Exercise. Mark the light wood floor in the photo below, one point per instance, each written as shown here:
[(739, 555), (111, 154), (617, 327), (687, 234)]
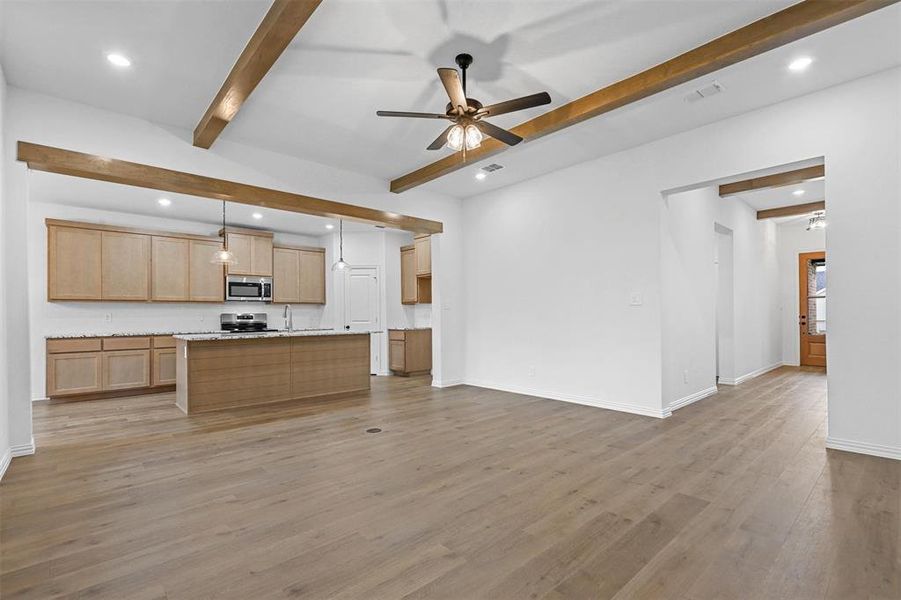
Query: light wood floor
[(466, 493)]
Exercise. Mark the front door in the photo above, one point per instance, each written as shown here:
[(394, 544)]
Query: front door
[(361, 308), (812, 304)]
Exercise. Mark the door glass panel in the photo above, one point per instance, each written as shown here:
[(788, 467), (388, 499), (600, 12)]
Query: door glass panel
[(816, 297)]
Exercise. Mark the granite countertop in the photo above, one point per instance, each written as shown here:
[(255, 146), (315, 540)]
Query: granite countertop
[(95, 334), (409, 329), (216, 336)]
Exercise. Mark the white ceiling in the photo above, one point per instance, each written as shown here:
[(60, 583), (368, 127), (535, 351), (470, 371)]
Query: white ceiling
[(101, 195), (356, 56), (814, 191)]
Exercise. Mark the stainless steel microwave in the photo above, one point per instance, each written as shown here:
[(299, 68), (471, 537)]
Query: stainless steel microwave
[(244, 288)]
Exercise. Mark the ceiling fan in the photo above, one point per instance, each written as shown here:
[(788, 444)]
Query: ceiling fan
[(467, 113)]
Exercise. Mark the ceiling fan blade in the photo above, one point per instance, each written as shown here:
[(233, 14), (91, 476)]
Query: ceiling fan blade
[(451, 80), (502, 108), (415, 115), (508, 137), (440, 141)]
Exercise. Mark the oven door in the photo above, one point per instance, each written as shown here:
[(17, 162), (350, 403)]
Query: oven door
[(244, 291)]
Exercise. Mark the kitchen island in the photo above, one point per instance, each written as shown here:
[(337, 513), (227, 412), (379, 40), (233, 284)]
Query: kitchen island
[(216, 371)]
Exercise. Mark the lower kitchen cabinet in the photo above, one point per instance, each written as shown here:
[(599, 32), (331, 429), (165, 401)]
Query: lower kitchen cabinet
[(97, 366), (409, 351), (74, 373), (126, 369), (163, 366)]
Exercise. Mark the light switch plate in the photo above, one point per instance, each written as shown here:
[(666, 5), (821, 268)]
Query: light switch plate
[(635, 299)]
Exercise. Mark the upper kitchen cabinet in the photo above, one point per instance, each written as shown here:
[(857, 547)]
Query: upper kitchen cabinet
[(125, 266), (171, 269), (252, 250), (298, 275), (73, 263), (408, 275), (207, 279), (423, 245)]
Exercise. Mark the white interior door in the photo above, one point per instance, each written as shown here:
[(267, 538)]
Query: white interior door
[(361, 308)]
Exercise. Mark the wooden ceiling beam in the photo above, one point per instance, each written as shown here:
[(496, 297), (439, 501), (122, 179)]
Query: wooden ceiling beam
[(791, 24), (772, 181), (280, 25), (790, 211), (90, 166)]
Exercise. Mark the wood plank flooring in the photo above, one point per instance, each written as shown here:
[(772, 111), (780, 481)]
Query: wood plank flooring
[(466, 493)]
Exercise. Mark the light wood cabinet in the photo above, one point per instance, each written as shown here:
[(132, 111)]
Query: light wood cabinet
[(298, 275), (125, 266), (74, 373), (73, 263), (126, 369), (163, 367), (285, 275), (408, 275), (170, 260), (423, 245), (409, 351), (252, 252), (312, 276), (207, 280)]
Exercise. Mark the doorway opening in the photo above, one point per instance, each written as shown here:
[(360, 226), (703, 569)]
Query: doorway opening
[(812, 308)]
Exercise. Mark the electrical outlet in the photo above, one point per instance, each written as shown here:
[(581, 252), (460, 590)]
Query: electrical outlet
[(108, 317), (685, 376), (201, 318), (635, 299), (532, 371)]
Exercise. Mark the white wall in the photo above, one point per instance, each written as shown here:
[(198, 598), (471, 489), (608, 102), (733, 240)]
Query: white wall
[(52, 121), (551, 262), (793, 239), (752, 337), (5, 453)]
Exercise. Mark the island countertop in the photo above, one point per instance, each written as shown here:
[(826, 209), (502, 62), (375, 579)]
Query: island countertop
[(253, 335), (223, 371)]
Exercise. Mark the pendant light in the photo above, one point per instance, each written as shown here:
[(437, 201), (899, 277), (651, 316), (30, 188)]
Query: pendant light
[(817, 221), (224, 256), (341, 265)]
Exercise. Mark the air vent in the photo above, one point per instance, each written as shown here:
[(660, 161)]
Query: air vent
[(492, 167), (705, 92)]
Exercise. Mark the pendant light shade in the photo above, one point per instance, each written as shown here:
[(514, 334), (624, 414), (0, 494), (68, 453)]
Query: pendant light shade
[(224, 256), (340, 264)]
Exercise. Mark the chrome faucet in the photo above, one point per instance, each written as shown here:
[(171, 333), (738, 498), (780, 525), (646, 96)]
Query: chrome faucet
[(289, 318)]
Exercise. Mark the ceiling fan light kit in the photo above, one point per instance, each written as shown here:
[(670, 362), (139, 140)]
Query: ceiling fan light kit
[(469, 128)]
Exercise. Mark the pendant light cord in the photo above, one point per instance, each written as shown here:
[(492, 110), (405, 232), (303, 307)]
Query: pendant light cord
[(224, 233), (341, 240)]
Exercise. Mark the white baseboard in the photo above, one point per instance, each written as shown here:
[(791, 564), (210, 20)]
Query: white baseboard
[(39, 399), (692, 398), (747, 376), (12, 452), (575, 399), (4, 462), (447, 384), (864, 448), (23, 449)]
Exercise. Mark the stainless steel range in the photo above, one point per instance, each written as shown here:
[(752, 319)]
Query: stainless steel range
[(244, 322)]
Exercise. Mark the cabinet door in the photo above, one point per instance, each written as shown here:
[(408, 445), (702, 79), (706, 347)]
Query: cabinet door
[(126, 369), (163, 367), (423, 255), (75, 373), (396, 356), (312, 277), (241, 246), (125, 266), (407, 275), (207, 280), (261, 255), (285, 275), (170, 271), (73, 263)]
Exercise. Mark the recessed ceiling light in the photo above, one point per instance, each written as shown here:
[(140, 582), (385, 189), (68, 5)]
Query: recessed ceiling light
[(118, 60), (329, 226), (800, 64), (164, 202), (481, 175), (798, 192), (257, 216)]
